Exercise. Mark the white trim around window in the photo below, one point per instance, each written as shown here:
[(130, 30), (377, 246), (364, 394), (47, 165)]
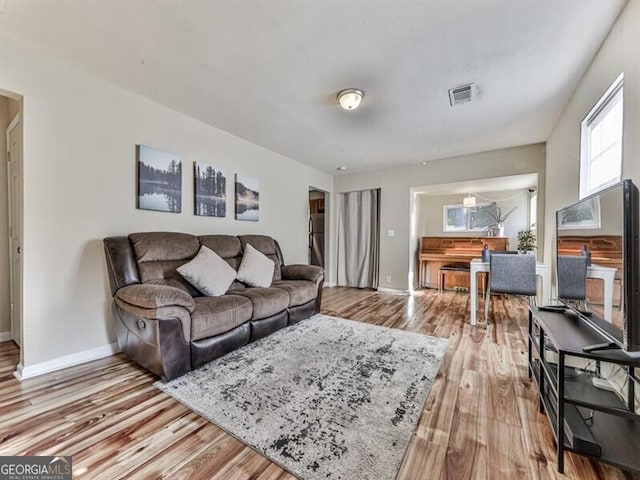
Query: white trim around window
[(601, 141)]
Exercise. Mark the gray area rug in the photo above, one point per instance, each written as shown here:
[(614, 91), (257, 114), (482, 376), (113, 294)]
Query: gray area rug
[(326, 398)]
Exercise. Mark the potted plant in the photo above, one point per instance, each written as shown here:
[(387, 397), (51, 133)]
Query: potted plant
[(497, 219), (526, 241)]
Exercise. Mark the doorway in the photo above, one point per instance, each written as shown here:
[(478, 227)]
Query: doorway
[(358, 249), (11, 214), (431, 219), (317, 233)]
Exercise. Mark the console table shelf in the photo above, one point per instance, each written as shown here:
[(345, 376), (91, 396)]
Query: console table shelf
[(589, 420)]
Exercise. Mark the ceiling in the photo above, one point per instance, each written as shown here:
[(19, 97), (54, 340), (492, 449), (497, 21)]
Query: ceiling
[(268, 71)]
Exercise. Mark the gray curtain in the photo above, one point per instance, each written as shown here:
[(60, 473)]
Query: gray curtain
[(359, 238)]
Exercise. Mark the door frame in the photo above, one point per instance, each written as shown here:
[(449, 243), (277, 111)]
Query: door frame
[(16, 336)]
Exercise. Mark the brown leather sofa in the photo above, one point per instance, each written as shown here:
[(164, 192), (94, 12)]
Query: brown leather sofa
[(164, 324)]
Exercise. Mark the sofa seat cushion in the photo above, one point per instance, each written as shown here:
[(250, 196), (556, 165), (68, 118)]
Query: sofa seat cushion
[(266, 301), (216, 315), (300, 291)]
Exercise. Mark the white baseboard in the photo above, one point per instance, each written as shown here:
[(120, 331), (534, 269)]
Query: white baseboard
[(396, 291), (66, 361), (5, 336)]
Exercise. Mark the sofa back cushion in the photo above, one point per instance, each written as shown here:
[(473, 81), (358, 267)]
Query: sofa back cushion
[(231, 248), (226, 246), (159, 254)]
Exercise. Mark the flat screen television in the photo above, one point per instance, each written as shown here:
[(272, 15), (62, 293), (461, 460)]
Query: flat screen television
[(603, 228)]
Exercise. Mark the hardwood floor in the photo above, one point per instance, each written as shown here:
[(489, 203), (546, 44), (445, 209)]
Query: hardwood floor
[(480, 421)]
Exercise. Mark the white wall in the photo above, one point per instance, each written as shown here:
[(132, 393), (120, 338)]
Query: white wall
[(397, 205), (80, 182), (620, 52), (429, 221)]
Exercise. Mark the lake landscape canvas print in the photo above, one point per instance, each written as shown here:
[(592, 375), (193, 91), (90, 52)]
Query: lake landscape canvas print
[(247, 198), (159, 180), (210, 187)]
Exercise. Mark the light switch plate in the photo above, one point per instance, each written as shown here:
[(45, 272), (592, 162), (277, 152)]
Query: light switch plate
[(391, 233)]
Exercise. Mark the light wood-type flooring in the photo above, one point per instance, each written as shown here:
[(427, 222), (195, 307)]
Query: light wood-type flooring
[(480, 421)]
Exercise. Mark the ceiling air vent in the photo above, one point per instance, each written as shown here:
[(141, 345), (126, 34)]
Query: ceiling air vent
[(461, 94)]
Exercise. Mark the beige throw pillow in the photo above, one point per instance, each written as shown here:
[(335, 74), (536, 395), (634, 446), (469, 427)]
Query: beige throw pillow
[(208, 272), (256, 270)]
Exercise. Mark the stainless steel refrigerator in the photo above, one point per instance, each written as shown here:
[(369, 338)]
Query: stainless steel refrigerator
[(316, 239)]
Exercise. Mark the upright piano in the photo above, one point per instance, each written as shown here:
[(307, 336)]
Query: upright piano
[(436, 252)]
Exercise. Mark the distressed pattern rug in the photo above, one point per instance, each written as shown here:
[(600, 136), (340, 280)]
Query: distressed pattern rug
[(326, 398)]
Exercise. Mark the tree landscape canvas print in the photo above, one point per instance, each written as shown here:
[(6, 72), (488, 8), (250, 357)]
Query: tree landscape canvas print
[(159, 180), (210, 186), (247, 198)]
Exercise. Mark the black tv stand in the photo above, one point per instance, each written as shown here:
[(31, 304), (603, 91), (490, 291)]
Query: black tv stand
[(599, 347), (565, 356)]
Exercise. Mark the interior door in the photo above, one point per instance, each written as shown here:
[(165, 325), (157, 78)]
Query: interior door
[(316, 227), (14, 148)]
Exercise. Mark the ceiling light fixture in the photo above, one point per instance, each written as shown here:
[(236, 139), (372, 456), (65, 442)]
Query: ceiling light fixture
[(341, 168), (350, 98), (469, 201)]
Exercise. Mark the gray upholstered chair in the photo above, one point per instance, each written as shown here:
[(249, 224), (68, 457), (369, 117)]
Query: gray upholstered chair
[(511, 274), (572, 279)]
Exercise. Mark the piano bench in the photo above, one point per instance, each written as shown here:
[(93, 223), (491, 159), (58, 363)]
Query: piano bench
[(452, 268), (460, 268)]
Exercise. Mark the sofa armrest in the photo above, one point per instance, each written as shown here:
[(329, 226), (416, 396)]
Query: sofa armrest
[(311, 273), (156, 338), (158, 314), (155, 296)]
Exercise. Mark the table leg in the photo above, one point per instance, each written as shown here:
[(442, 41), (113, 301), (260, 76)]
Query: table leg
[(541, 378), (529, 344), (546, 286), (608, 298), (473, 291)]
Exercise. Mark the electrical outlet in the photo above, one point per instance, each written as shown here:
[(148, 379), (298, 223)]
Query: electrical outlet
[(388, 278), (391, 233)]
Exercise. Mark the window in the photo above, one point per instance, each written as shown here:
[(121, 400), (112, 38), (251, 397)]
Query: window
[(458, 218), (533, 210), (601, 152)]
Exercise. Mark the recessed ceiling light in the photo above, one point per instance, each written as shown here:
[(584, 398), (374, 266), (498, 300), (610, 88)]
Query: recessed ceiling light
[(350, 98), (342, 168)]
